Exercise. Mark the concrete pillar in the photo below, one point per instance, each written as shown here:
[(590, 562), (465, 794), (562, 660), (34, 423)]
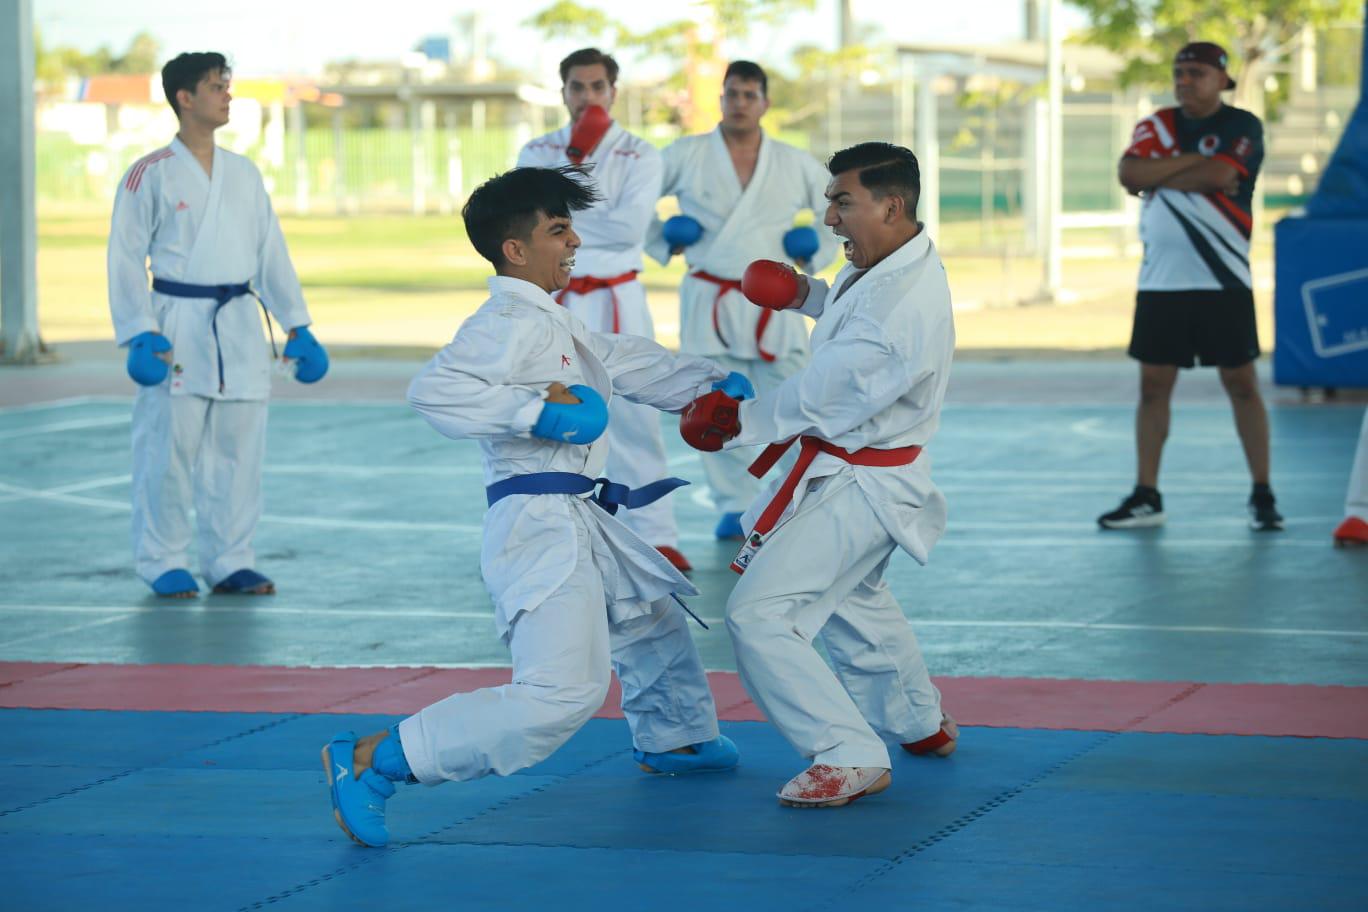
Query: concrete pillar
[(18, 220)]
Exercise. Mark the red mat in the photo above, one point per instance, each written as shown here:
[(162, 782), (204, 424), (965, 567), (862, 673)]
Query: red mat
[(1304, 710)]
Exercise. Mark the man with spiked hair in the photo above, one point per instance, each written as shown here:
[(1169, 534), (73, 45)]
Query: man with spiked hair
[(576, 593)]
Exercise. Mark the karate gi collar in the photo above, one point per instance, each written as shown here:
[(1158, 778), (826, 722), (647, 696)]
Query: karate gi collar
[(911, 251), (521, 288)]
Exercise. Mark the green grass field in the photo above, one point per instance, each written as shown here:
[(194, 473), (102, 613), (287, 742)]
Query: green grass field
[(396, 280)]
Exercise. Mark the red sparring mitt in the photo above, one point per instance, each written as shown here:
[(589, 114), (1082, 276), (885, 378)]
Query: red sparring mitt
[(770, 284), (585, 136), (710, 421)]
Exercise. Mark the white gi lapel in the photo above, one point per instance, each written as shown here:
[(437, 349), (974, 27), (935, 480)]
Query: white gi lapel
[(199, 264), (738, 218)]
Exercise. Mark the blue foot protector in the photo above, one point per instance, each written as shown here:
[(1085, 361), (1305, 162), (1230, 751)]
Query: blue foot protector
[(358, 804), (389, 760), (175, 582), (241, 581), (710, 756), (729, 526)]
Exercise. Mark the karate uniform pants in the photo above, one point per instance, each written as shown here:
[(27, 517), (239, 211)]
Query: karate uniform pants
[(1356, 500), (636, 452), (562, 653), (731, 487), (820, 574), (190, 449)]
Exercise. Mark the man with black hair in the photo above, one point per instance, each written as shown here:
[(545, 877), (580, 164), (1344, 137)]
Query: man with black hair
[(742, 189), (862, 411), (1195, 165), (195, 343), (604, 292), (575, 592)]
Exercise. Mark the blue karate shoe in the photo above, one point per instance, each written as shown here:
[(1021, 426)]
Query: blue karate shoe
[(709, 757), (358, 804), (729, 526), (175, 584)]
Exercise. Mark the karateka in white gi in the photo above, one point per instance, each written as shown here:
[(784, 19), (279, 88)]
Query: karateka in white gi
[(604, 292), (575, 591), (1353, 531), (196, 345), (820, 541), (743, 188)]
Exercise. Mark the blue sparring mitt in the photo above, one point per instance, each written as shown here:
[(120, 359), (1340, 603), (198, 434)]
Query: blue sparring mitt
[(311, 359), (801, 243), (144, 366), (735, 385), (681, 231), (582, 423)]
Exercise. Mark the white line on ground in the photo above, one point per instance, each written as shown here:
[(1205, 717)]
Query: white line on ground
[(44, 634), (184, 607), (52, 404), (74, 425)]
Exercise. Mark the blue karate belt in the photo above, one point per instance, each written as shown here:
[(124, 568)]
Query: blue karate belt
[(611, 496), (221, 295)]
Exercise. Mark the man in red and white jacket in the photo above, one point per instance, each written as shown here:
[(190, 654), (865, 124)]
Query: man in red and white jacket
[(604, 292)]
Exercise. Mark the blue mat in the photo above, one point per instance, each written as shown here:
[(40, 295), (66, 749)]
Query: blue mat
[(229, 811)]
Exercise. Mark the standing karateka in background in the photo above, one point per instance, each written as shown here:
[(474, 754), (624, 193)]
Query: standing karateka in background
[(862, 411), (575, 591), (196, 345), (604, 292), (743, 188)]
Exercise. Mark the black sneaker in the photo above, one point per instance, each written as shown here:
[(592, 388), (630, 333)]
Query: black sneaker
[(1263, 511), (1144, 508)]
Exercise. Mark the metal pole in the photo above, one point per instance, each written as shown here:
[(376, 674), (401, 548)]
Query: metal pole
[(19, 342), (1054, 202), (928, 154)]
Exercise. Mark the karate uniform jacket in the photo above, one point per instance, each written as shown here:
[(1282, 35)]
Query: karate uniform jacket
[(739, 226), (204, 230), (881, 357), (488, 385)]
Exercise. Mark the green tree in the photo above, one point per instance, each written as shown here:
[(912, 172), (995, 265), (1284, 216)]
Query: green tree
[(1257, 33)]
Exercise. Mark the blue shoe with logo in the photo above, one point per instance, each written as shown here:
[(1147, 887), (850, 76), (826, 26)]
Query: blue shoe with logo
[(358, 804), (709, 757), (729, 526)]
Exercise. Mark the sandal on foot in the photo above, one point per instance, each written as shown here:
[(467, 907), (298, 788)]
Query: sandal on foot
[(833, 786), (244, 582), (175, 584), (708, 757)]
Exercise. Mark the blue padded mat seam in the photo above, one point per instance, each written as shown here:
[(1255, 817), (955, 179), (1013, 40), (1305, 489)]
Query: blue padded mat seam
[(128, 772), (841, 899), (368, 856)]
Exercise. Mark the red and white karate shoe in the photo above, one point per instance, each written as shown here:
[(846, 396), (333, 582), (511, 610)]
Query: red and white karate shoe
[(941, 744), (1352, 533), (822, 786)]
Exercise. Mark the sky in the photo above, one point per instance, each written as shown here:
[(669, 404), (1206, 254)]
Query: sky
[(297, 37)]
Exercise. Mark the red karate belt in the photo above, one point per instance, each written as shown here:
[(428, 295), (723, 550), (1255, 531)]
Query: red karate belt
[(809, 447), (724, 286), (583, 285)]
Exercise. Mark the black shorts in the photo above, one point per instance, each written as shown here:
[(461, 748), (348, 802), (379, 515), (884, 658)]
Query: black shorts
[(1215, 328)]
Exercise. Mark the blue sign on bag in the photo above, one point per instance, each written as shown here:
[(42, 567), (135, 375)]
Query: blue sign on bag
[(1336, 313)]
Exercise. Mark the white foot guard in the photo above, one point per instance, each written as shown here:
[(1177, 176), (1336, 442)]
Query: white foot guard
[(833, 786)]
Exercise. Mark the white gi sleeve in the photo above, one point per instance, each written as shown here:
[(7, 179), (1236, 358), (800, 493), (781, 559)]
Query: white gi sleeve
[(645, 371), (525, 157), (815, 302), (276, 280), (671, 167), (817, 180), (465, 390), (621, 223), (135, 220), (853, 377)]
